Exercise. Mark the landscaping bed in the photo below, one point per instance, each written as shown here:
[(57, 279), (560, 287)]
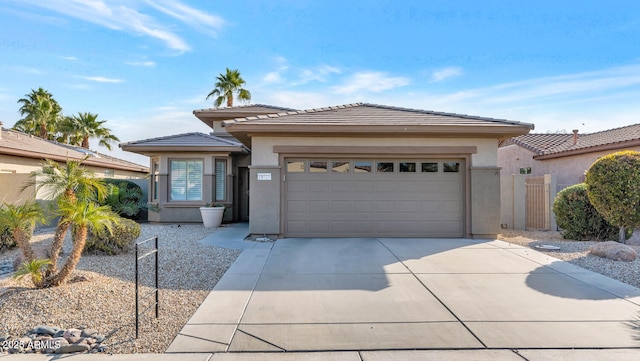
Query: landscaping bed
[(576, 252), (101, 294)]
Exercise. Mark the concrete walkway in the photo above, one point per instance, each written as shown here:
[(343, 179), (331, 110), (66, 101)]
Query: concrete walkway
[(380, 299)]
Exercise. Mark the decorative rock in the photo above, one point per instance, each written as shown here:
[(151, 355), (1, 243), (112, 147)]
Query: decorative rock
[(614, 251), (76, 347), (99, 338), (73, 339), (89, 332), (45, 330), (58, 334), (72, 332), (635, 238)]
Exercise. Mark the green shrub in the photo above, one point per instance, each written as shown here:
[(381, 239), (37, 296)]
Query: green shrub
[(125, 198), (6, 239), (120, 240), (578, 219)]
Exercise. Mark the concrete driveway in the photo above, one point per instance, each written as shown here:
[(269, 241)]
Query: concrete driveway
[(395, 294)]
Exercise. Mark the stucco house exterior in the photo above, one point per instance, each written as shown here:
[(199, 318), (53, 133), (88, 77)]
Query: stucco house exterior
[(21, 154), (567, 156), (350, 170)]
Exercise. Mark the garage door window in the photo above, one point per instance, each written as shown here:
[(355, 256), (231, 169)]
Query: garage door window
[(318, 167), (407, 167), (340, 167), (429, 167), (451, 167), (362, 167), (295, 166), (385, 167)]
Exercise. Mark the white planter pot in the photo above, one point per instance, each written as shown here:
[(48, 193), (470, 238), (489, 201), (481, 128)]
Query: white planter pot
[(212, 216)]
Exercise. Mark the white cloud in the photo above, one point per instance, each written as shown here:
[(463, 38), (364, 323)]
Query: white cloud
[(272, 77), (190, 16), (119, 15), (371, 81), (445, 73), (102, 79), (142, 63), (70, 58)]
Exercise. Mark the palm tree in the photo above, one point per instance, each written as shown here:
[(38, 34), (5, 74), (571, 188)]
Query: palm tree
[(227, 84), (21, 220), (80, 128), (65, 184), (84, 215), (40, 113)]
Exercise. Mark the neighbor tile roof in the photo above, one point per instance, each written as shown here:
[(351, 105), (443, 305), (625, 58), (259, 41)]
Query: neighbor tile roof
[(561, 144), (24, 145), (372, 114), (252, 108)]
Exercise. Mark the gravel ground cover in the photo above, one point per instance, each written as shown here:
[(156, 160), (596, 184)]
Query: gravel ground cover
[(102, 293), (576, 252)]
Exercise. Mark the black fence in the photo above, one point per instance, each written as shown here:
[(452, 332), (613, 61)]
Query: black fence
[(154, 252)]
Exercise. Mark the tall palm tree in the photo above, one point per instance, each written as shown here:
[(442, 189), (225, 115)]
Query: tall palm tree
[(84, 215), (40, 113), (85, 126), (21, 220), (69, 184), (227, 84)]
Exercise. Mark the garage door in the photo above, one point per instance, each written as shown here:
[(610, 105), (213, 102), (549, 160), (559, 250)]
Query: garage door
[(374, 198)]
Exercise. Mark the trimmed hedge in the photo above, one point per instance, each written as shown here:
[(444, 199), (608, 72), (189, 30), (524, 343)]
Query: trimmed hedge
[(577, 217), (120, 240), (6, 239)]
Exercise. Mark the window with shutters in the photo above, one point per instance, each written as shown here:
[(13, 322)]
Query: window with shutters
[(221, 179), (186, 180)]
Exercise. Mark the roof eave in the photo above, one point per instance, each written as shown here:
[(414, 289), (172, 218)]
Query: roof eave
[(88, 161), (142, 149)]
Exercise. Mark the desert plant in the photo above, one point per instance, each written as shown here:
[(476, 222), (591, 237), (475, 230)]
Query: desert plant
[(20, 220), (34, 268), (577, 217), (125, 198), (613, 186), (118, 241)]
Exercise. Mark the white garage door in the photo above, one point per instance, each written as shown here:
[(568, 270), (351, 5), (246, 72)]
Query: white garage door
[(374, 198)]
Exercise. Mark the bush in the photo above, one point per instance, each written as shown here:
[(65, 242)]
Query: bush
[(124, 232), (125, 198), (577, 217), (6, 239)]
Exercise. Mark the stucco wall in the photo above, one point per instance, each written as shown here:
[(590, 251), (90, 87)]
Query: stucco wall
[(13, 164), (262, 147), (568, 170)]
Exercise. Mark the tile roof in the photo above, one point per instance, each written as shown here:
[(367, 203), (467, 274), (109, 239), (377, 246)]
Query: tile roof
[(251, 108), (561, 144), (24, 145), (372, 114), (184, 141)]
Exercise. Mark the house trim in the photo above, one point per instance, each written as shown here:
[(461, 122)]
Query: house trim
[(598, 148), (382, 151)]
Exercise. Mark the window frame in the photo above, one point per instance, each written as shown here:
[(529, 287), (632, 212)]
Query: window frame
[(186, 188)]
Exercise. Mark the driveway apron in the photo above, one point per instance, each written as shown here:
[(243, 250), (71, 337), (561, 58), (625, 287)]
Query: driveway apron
[(393, 294)]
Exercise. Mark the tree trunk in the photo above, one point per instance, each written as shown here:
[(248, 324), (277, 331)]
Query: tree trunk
[(635, 237), (80, 239), (85, 142), (56, 247), (230, 101), (23, 243)]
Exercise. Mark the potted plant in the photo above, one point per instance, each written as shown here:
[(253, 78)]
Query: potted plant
[(212, 215)]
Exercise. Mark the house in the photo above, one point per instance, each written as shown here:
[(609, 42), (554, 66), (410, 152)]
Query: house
[(567, 156), (350, 170), (21, 154)]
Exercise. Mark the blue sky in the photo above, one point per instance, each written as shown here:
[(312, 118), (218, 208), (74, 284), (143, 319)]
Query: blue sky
[(145, 65)]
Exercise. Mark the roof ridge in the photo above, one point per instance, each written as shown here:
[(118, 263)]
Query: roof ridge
[(611, 130), (275, 107)]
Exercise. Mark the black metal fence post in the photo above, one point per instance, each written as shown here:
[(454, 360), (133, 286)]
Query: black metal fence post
[(155, 290)]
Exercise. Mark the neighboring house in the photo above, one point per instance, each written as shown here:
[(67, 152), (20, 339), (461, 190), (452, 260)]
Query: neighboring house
[(354, 170), (21, 153), (567, 156)]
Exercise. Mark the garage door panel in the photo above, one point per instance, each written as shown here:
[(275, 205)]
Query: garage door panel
[(369, 204)]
